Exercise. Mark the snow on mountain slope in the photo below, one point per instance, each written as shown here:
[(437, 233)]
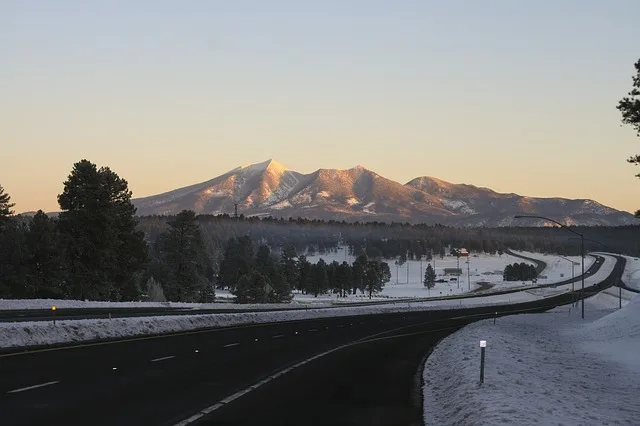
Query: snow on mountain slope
[(269, 188)]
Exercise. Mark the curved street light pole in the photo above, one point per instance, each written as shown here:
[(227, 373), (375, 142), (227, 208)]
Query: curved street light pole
[(562, 225), (573, 275), (616, 252)]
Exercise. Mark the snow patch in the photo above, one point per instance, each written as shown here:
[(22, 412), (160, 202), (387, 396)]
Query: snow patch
[(550, 368)]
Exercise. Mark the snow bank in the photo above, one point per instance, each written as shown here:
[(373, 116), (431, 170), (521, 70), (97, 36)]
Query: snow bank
[(631, 274), (40, 333), (20, 304), (551, 368)]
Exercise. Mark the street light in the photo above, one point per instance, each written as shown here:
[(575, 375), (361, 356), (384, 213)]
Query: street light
[(616, 253), (581, 246), (573, 275)]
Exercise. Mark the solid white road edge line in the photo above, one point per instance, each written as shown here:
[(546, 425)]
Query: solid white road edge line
[(163, 358), (231, 344), (34, 387)]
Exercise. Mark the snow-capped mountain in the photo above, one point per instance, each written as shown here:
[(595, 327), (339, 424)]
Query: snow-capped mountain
[(269, 188)]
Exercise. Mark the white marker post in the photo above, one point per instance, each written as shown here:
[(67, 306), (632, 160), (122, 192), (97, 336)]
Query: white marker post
[(483, 346)]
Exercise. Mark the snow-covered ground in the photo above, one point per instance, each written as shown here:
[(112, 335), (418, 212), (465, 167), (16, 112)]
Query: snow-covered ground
[(631, 274), (40, 333), (407, 280), (550, 368), (559, 268), (15, 304)]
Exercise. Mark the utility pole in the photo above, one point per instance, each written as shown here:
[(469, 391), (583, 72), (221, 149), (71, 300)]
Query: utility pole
[(468, 274), (407, 272), (235, 210)]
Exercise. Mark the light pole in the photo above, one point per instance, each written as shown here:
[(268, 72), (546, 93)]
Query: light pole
[(573, 275), (616, 253), (581, 246), (468, 274)]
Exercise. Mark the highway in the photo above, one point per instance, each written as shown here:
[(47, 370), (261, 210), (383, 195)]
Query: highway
[(163, 380), (115, 312)]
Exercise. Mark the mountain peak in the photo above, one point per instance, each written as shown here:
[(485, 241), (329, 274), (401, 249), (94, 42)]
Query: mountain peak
[(269, 188), (270, 164)]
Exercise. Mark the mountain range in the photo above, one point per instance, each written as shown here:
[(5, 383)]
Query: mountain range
[(270, 189)]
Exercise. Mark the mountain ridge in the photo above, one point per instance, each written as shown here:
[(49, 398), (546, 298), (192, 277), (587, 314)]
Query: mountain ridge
[(271, 189)]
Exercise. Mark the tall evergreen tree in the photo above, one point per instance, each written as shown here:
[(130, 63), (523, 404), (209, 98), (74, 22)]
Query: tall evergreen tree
[(304, 273), (377, 274), (5, 207), (429, 277), (13, 259), (319, 282), (278, 290), (344, 278), (237, 261), (288, 265), (103, 250), (45, 279), (186, 261), (629, 107)]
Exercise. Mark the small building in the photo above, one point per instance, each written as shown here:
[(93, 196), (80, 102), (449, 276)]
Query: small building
[(453, 271)]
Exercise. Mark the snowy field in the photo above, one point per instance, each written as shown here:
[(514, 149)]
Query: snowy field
[(407, 280), (551, 368), (559, 268), (631, 274)]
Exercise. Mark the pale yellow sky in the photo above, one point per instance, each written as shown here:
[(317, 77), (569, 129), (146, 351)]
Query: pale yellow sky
[(512, 98)]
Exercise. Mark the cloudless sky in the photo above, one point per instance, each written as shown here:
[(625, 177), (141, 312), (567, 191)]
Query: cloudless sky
[(515, 95)]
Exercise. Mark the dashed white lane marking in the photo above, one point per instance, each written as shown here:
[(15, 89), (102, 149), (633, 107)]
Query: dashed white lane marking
[(163, 358), (340, 325), (313, 329), (41, 385), (238, 394), (231, 344), (277, 336)]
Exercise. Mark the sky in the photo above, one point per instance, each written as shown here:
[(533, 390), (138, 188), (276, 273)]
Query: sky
[(514, 95)]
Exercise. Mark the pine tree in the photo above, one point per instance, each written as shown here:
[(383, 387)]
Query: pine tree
[(629, 107), (251, 288), (344, 278), (184, 255), (103, 250), (304, 273), (279, 290), (13, 260), (45, 279), (288, 265), (429, 277), (238, 260), (319, 281), (377, 274), (5, 206)]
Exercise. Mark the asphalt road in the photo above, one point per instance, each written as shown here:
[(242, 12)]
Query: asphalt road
[(163, 380)]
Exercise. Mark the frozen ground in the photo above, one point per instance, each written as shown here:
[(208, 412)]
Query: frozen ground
[(559, 268), (631, 275), (552, 368), (406, 280), (39, 333)]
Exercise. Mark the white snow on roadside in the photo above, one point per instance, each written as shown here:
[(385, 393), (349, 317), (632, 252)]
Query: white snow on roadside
[(550, 368), (41, 333), (18, 304), (559, 268), (631, 274)]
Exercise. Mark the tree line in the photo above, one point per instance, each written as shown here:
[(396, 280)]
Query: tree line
[(519, 272), (270, 277)]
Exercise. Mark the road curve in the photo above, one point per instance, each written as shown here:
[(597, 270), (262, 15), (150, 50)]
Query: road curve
[(162, 380)]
